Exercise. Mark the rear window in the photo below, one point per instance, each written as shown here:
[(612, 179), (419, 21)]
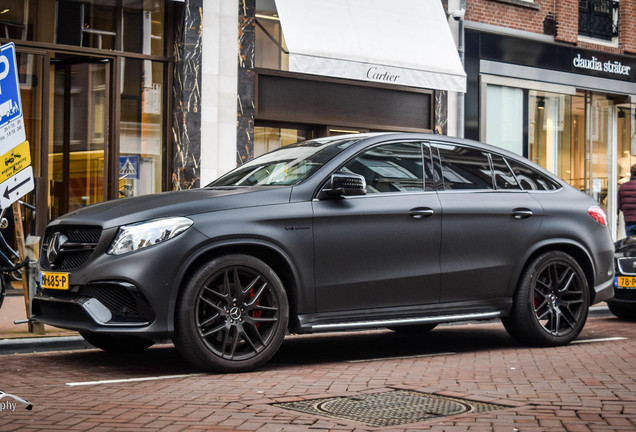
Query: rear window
[(530, 179)]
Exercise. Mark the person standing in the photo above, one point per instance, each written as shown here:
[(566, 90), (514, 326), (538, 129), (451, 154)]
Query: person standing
[(627, 202)]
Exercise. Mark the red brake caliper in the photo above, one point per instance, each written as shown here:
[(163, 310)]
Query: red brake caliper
[(256, 313)]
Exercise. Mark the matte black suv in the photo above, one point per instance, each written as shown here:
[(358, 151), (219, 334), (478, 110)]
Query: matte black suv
[(403, 231)]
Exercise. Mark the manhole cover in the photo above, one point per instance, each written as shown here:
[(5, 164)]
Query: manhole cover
[(390, 408)]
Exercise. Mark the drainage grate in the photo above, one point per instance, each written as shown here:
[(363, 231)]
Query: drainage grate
[(390, 408)]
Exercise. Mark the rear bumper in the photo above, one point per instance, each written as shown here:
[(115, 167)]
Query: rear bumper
[(604, 291)]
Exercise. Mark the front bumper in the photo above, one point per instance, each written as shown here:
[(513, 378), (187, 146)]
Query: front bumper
[(131, 294), (108, 304)]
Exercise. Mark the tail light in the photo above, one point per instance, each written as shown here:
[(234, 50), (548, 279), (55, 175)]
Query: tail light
[(598, 215)]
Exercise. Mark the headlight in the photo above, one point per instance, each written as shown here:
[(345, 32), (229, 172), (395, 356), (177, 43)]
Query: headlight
[(137, 236)]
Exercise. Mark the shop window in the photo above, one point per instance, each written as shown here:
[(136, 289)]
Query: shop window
[(598, 18), (87, 23), (504, 118), (143, 27), (556, 137), (141, 136), (267, 139), (13, 19), (271, 50)]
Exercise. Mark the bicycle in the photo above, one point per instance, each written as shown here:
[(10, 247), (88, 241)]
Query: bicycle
[(10, 264)]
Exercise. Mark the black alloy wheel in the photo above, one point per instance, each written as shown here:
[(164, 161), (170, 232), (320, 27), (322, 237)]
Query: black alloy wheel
[(551, 303), (232, 315)]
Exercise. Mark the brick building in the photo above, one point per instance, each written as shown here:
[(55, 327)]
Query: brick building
[(555, 81)]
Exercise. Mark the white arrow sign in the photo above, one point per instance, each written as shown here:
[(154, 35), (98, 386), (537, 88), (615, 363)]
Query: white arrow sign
[(16, 187)]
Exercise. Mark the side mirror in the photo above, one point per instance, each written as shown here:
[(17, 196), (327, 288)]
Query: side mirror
[(344, 184)]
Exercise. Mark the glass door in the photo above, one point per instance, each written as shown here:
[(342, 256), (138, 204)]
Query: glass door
[(77, 150), (626, 151), (600, 155)]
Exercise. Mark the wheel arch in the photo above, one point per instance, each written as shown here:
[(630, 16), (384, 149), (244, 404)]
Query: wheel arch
[(572, 248), (272, 255)]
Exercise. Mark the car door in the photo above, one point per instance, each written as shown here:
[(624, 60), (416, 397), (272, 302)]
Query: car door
[(488, 223), (381, 249)]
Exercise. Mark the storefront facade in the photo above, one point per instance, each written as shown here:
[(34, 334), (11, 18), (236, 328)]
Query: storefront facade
[(571, 110), (321, 68)]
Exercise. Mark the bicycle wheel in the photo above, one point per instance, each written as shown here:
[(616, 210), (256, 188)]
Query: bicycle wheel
[(3, 291)]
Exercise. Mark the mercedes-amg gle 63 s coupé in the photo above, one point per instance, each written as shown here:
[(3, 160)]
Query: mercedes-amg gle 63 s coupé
[(396, 230)]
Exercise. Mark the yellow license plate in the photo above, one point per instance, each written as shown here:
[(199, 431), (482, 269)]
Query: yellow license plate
[(58, 281), (626, 282)]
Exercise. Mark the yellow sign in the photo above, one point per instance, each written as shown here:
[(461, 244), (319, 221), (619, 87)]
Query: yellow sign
[(15, 160)]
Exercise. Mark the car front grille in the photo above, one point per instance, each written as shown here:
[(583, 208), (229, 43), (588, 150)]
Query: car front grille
[(119, 300), (126, 305), (75, 251), (627, 265)]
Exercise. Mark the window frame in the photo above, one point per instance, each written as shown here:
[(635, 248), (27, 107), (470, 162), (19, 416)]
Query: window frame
[(428, 180)]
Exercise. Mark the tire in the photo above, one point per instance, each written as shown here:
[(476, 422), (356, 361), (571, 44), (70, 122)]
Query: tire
[(117, 343), (232, 315), (3, 291), (624, 312), (551, 303), (415, 329)]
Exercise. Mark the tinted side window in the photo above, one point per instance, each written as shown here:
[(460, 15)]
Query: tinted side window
[(395, 167), (504, 179), (464, 168), (530, 179)]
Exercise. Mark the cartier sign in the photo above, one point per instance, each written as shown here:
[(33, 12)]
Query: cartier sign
[(376, 74)]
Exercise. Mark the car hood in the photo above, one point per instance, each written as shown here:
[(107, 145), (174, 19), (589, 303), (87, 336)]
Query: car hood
[(179, 203)]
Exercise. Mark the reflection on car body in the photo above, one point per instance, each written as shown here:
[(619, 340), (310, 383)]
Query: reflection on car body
[(403, 231)]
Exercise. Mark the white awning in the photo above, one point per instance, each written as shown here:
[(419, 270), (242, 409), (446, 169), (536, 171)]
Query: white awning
[(405, 42)]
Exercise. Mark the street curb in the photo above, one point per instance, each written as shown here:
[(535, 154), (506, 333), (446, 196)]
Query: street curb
[(597, 311), (43, 344)]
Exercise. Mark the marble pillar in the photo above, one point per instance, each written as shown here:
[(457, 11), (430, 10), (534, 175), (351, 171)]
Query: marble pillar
[(440, 116), (246, 81), (186, 109)]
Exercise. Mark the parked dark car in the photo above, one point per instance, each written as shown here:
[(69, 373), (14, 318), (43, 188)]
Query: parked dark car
[(623, 305), (403, 231)]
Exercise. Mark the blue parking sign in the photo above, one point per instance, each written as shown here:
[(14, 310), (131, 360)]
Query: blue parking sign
[(10, 103)]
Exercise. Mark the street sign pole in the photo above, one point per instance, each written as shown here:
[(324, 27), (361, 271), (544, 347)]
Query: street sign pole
[(17, 173)]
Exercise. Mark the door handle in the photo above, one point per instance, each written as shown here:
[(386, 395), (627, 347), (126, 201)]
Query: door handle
[(521, 213), (421, 212)]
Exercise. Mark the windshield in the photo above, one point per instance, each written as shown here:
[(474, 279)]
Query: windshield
[(288, 165)]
